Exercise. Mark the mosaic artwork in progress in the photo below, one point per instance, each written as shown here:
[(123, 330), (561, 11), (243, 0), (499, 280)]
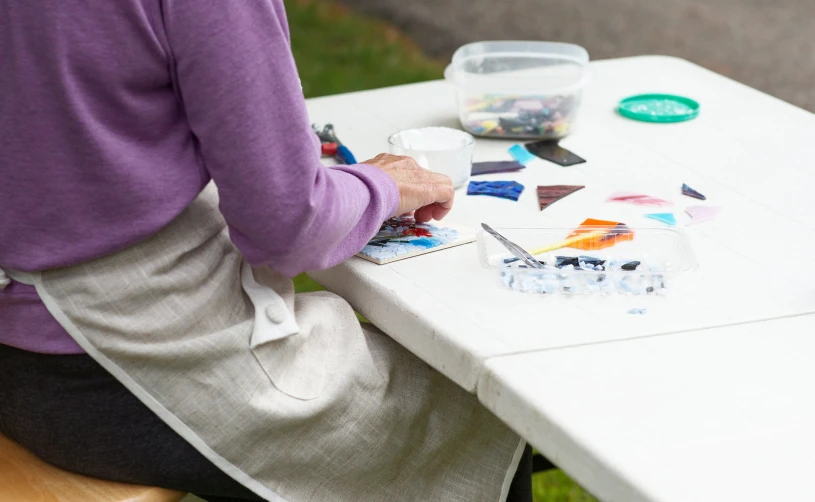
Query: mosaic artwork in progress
[(401, 238)]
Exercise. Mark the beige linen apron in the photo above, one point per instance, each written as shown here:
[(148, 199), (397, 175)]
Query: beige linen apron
[(288, 394)]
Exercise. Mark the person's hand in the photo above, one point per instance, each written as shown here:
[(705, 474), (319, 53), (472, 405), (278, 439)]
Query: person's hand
[(427, 194)]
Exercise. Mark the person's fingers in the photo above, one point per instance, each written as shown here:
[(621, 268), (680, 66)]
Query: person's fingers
[(376, 160), (441, 178), (429, 194), (446, 196), (442, 187), (439, 211), (430, 212), (440, 200), (423, 214)]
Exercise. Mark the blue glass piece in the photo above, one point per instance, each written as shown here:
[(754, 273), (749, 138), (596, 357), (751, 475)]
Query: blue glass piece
[(503, 189), (521, 154), (425, 242), (667, 218)]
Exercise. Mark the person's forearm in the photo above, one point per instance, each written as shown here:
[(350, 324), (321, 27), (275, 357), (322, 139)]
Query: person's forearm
[(245, 107), (345, 209)]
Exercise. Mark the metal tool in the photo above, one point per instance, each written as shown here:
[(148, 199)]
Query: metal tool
[(332, 146), (513, 248)]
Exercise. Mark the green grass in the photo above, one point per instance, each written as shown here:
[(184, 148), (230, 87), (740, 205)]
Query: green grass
[(338, 51), (304, 284), (555, 486)]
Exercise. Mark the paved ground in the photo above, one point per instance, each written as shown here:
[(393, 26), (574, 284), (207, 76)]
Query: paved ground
[(769, 45)]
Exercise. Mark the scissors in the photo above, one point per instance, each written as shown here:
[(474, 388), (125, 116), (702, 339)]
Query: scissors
[(332, 146)]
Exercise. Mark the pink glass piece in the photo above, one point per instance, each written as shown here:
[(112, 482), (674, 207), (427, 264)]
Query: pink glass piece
[(701, 214), (638, 199)]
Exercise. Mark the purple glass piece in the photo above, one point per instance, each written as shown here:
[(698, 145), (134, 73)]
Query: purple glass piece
[(504, 166)]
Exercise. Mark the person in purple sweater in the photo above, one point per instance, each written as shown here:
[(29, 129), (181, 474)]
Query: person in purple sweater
[(114, 116)]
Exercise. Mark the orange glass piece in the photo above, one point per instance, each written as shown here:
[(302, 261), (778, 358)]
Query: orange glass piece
[(599, 234), (592, 235)]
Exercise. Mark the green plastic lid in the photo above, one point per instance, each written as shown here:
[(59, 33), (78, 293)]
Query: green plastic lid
[(659, 108)]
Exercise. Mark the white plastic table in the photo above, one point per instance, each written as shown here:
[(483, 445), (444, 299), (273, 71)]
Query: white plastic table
[(704, 416), (747, 152)]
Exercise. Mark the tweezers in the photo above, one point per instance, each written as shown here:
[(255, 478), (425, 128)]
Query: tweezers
[(513, 248)]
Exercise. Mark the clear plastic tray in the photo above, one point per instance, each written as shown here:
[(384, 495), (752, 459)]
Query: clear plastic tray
[(662, 253), (526, 90)]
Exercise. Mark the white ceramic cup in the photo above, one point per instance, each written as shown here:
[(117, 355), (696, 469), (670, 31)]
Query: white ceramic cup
[(439, 149)]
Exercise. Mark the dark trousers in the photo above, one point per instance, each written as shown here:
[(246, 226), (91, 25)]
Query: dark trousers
[(70, 412)]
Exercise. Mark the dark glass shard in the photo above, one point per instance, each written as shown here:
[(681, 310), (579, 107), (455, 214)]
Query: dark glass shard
[(690, 192), (548, 195)]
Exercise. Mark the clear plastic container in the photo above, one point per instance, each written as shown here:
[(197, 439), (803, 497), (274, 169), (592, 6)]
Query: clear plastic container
[(644, 265), (528, 90)]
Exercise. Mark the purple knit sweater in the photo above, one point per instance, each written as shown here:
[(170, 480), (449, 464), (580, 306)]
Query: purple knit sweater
[(115, 114)]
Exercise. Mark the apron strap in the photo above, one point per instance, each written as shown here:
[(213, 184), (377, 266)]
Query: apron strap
[(7, 275)]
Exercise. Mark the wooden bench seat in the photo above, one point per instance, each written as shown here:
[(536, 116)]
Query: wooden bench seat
[(26, 478)]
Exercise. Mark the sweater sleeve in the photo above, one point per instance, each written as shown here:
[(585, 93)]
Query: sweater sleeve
[(243, 100)]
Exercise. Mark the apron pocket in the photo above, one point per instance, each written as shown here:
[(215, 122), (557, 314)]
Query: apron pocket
[(293, 356), (296, 365)]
